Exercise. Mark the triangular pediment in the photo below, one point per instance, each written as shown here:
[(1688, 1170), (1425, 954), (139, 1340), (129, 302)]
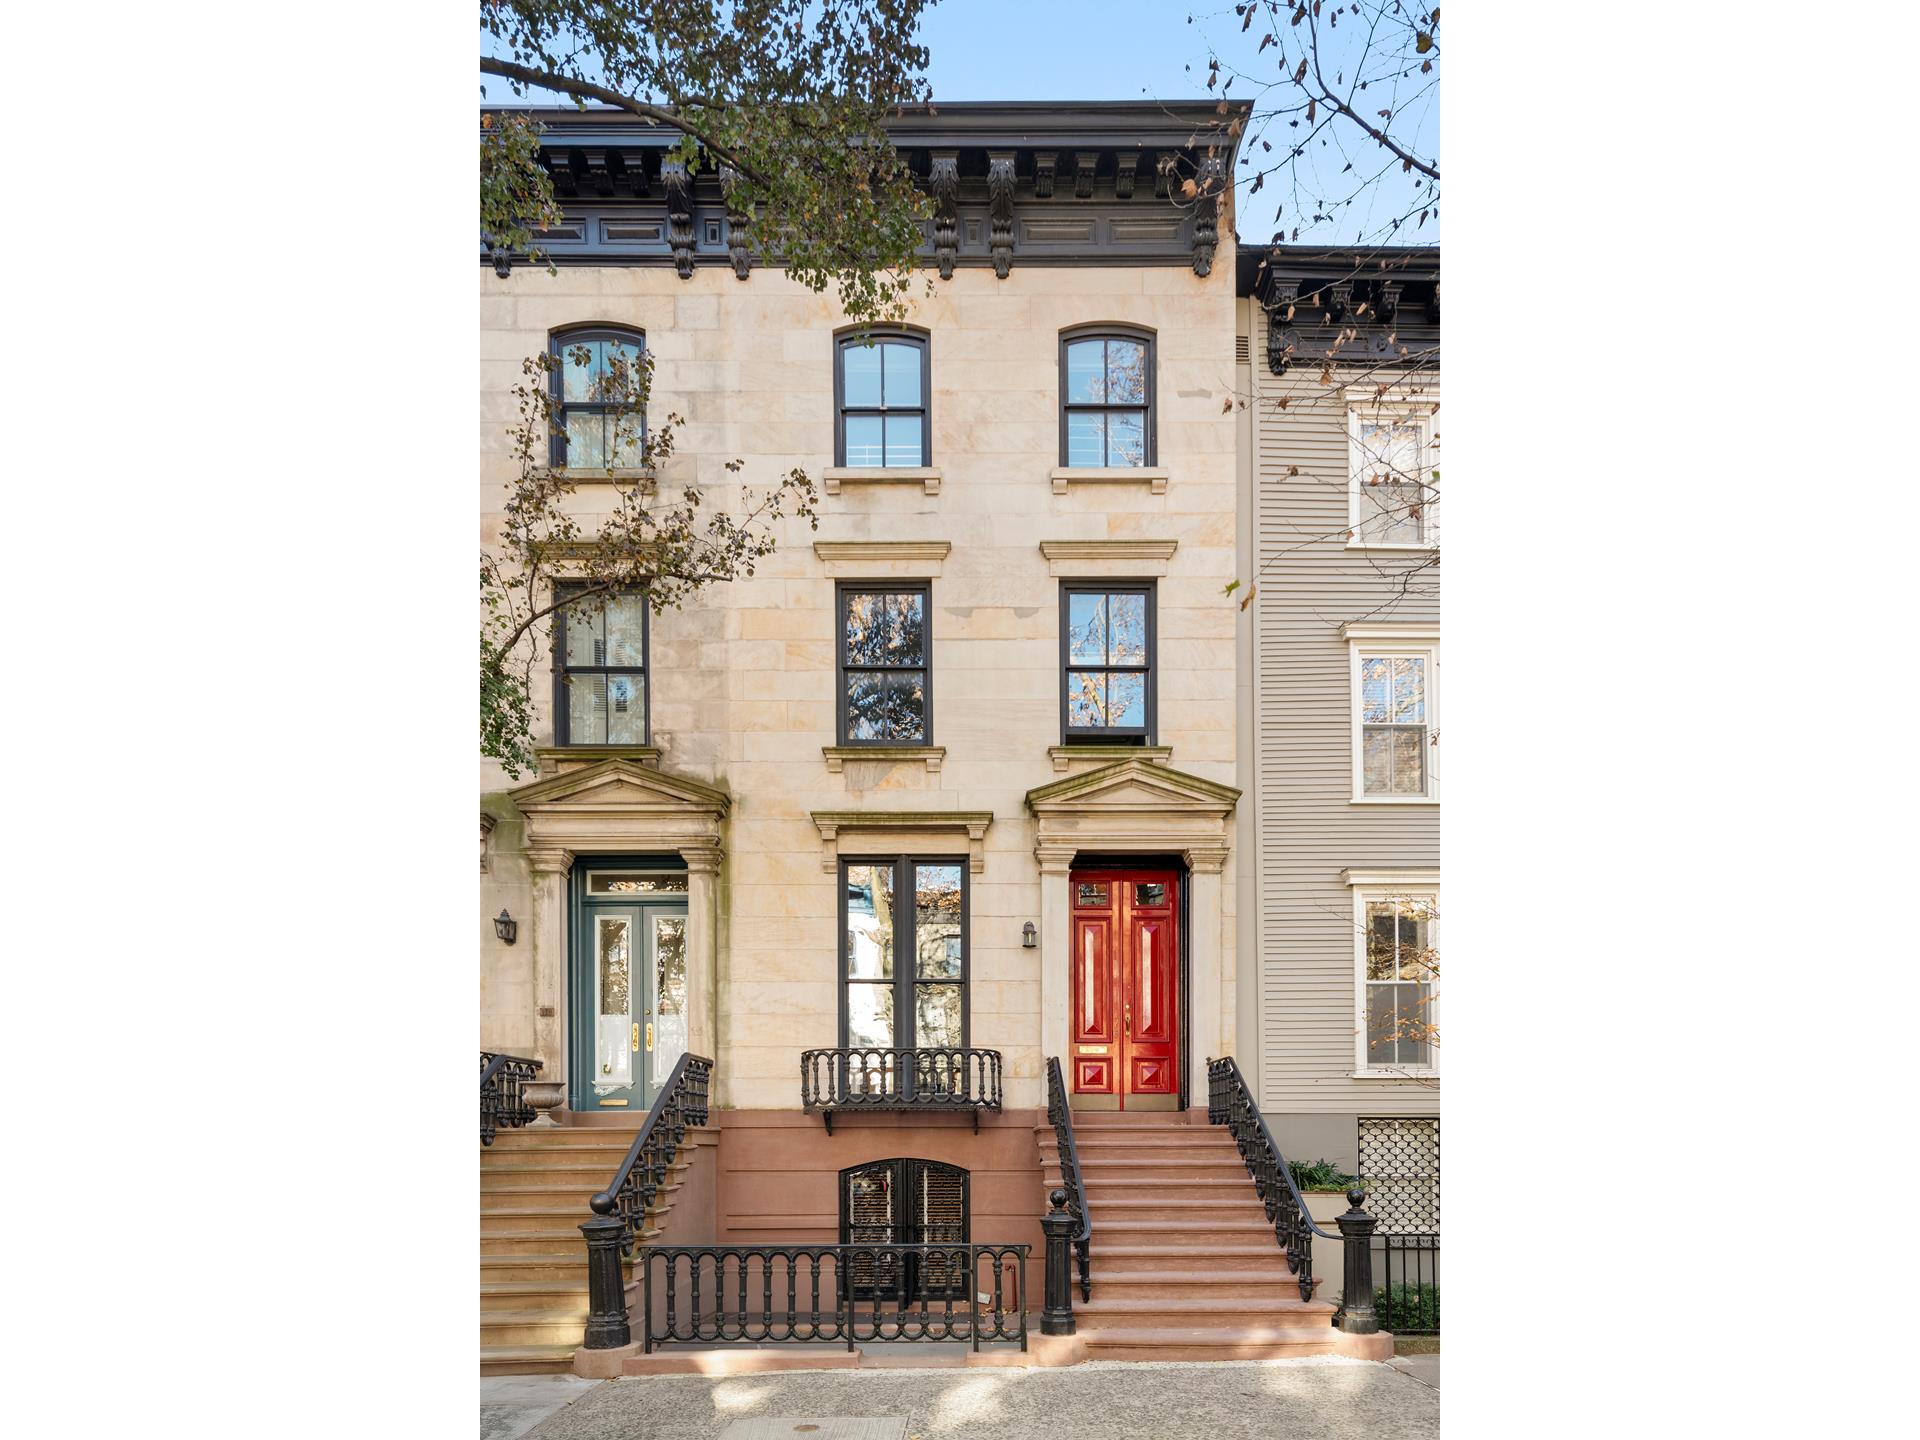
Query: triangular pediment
[(1132, 784), (619, 783)]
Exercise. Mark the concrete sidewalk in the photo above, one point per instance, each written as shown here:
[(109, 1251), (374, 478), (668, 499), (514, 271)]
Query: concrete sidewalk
[(1320, 1398)]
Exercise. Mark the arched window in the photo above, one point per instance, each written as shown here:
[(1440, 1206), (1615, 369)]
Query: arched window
[(1106, 398), (596, 387), (882, 392)]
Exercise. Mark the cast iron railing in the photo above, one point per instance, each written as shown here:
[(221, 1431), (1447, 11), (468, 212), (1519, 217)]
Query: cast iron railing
[(1061, 1118), (620, 1210), (777, 1294), (503, 1101), (1408, 1303), (1231, 1103), (934, 1078)]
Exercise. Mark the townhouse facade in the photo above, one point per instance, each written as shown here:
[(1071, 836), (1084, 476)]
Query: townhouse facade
[(1340, 717), (880, 871)]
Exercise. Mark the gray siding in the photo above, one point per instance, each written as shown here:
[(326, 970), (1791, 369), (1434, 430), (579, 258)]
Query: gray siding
[(1308, 828)]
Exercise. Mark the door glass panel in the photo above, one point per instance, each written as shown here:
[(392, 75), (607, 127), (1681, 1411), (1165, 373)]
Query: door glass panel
[(1146, 894), (613, 1052), (670, 993), (1091, 893), (634, 882), (869, 953), (936, 930), (936, 1018)]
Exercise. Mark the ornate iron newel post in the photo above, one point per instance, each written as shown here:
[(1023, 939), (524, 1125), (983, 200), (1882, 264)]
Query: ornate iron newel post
[(1057, 1317), (1356, 1229), (606, 1287)]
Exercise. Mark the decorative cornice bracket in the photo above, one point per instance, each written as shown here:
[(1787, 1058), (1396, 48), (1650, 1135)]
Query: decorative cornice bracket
[(1211, 180), (1000, 209), (679, 187), (944, 182)]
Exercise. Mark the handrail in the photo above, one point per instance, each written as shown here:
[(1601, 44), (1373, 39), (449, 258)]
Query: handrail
[(1061, 1118), (1231, 1103), (503, 1104), (682, 1102)]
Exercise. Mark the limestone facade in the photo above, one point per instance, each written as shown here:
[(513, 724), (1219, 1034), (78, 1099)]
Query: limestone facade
[(742, 682)]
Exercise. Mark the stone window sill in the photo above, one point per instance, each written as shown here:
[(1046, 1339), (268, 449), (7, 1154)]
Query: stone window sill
[(838, 755), (926, 477), (1065, 475), (1064, 755), (605, 477)]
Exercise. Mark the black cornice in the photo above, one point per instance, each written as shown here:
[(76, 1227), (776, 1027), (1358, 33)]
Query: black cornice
[(1020, 182), (1375, 305)]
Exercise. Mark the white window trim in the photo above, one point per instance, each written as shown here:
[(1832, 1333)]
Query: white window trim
[(1372, 407), (1365, 890), (1395, 639)]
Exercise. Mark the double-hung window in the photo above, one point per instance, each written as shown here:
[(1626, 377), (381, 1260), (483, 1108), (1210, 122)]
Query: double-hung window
[(1106, 392), (1107, 662), (886, 670), (1393, 494), (1396, 713), (884, 393), (600, 670), (599, 422), (903, 952), (1399, 979)]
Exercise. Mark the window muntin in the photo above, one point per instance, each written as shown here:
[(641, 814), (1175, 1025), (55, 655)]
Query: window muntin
[(596, 378), (903, 972), (1107, 644), (1106, 389), (885, 650), (1400, 968), (1394, 723), (600, 671), (1393, 501), (884, 389)]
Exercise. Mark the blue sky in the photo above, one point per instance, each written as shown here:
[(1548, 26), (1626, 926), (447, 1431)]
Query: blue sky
[(1146, 49)]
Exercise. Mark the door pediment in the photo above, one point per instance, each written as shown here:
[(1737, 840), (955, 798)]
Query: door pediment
[(1134, 805), (620, 804)]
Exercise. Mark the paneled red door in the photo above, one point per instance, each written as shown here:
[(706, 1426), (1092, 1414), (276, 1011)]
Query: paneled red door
[(1126, 989)]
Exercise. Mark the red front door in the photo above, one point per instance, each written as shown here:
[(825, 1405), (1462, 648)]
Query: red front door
[(1126, 989)]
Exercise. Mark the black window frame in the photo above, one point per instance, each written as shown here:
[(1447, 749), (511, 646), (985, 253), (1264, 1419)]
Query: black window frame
[(562, 727), (893, 335), (844, 588), (1145, 734), (1149, 411), (558, 343), (905, 969)]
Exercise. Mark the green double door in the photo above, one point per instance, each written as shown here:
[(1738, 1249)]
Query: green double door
[(628, 989)]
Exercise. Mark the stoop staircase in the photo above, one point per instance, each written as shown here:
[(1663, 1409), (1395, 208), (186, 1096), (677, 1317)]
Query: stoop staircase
[(534, 1187), (1185, 1264)]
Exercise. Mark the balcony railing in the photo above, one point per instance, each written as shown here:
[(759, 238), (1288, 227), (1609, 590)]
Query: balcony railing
[(946, 1078), (851, 1294), (503, 1100)]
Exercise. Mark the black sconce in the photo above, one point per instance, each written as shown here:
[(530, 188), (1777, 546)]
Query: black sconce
[(506, 927), (1029, 937)]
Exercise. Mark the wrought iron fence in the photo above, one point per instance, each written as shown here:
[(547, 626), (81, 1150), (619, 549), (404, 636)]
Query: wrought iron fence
[(1408, 1303), (851, 1294), (503, 1101), (951, 1078)]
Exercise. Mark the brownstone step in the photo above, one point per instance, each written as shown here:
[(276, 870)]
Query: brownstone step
[(1225, 1313), (527, 1359), (1209, 1342), (1186, 1282), (1186, 1233), (532, 1327), (566, 1295), (559, 1136), (553, 1267)]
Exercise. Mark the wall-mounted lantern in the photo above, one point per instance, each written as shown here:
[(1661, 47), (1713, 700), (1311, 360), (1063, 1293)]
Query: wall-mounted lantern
[(506, 927), (1029, 937)]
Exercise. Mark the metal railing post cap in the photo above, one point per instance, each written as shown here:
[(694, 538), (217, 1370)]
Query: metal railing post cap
[(601, 1204), (1057, 1197)]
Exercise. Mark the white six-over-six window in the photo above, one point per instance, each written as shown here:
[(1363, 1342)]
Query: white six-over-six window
[(1396, 712), (1393, 488), (1396, 921)]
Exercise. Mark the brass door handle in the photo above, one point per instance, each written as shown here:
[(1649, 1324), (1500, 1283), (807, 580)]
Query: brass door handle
[(649, 1037), (1129, 1021), (636, 1034)]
